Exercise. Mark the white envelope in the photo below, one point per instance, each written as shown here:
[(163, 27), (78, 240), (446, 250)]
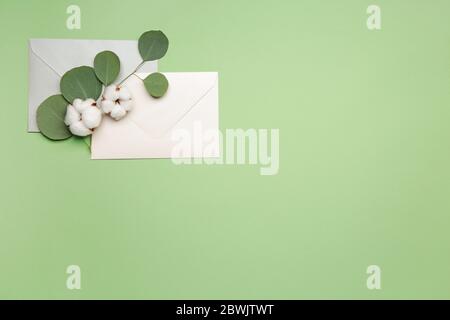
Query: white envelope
[(189, 107), (49, 59)]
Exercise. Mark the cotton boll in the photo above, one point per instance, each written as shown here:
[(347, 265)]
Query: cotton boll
[(88, 103), (79, 129), (84, 105), (116, 101), (107, 105), (127, 105), (91, 117), (111, 93), (118, 112), (83, 116), (72, 115), (77, 104), (124, 93)]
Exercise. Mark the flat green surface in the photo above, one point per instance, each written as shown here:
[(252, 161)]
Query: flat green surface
[(364, 119)]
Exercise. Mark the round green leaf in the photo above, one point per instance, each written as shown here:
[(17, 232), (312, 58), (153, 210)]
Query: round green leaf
[(50, 118), (153, 45), (107, 67), (80, 83), (156, 84)]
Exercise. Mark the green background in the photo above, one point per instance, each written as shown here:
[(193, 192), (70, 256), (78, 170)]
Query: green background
[(364, 119)]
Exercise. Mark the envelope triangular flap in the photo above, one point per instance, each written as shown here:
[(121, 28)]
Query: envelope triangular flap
[(61, 55), (186, 90)]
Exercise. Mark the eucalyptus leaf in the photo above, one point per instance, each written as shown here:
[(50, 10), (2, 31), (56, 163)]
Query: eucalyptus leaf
[(153, 45), (107, 67), (80, 82), (156, 84), (50, 118)]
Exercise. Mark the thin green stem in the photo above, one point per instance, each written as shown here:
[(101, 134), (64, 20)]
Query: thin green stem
[(135, 70)]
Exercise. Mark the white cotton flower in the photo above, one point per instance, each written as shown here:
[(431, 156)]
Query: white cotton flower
[(124, 93), (77, 104), (111, 93), (81, 105), (82, 117), (72, 115), (118, 112), (116, 101), (107, 105), (92, 117), (79, 129), (126, 104)]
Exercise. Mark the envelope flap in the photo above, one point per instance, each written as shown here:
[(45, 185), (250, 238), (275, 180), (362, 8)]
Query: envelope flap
[(62, 55), (158, 116)]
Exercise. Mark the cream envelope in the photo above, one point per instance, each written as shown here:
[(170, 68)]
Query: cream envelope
[(190, 108), (49, 59)]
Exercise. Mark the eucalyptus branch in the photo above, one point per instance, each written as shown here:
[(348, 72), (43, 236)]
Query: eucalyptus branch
[(135, 70)]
